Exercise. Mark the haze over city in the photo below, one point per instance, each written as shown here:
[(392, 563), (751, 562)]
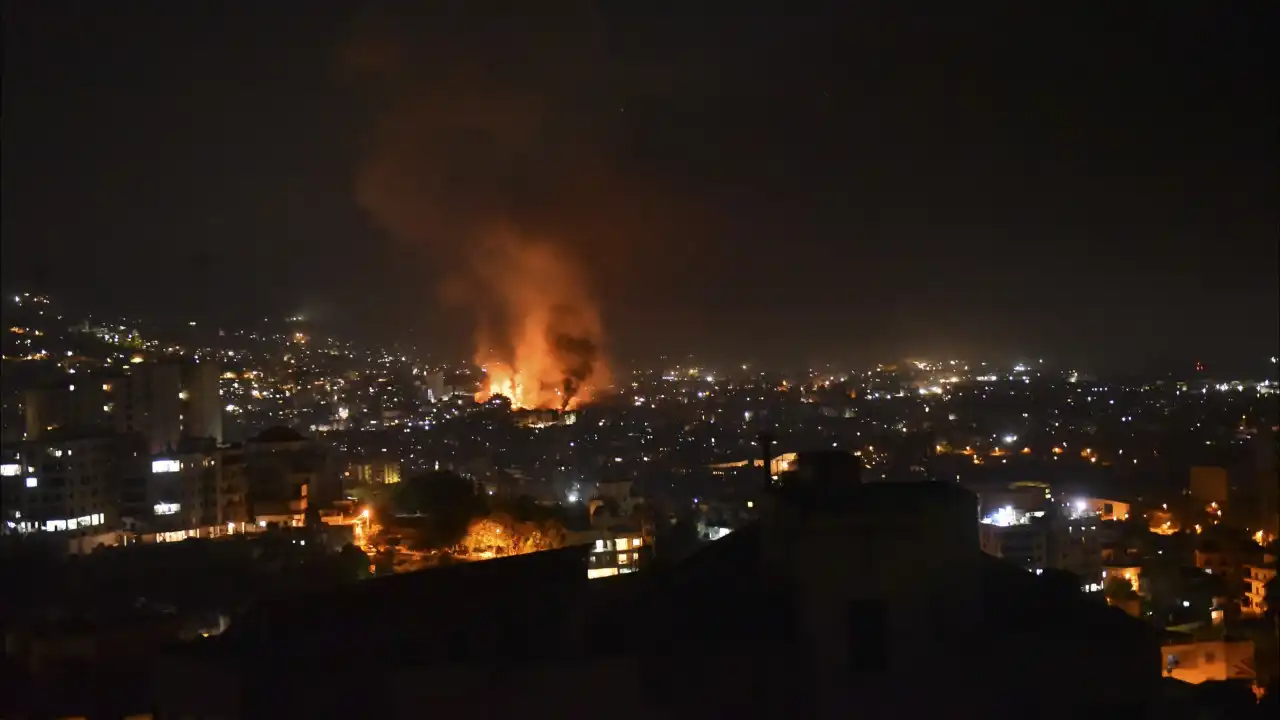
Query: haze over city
[(1095, 186)]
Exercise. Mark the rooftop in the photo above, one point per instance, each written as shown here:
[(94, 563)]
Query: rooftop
[(716, 634)]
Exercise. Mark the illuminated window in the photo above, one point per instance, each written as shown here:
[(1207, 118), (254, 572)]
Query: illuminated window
[(10, 470), (165, 466), (167, 508), (637, 542), (32, 482), (622, 558)]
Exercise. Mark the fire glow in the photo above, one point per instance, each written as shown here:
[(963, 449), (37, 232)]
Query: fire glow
[(548, 353)]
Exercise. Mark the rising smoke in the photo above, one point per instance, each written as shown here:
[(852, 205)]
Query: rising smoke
[(546, 352), (473, 159)]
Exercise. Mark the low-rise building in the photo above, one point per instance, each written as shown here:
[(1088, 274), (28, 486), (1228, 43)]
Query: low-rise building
[(282, 467), (1214, 660), (621, 553), (1254, 601)]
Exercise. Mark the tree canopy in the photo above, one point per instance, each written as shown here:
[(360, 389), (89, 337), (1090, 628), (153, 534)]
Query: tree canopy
[(445, 503), (354, 561)]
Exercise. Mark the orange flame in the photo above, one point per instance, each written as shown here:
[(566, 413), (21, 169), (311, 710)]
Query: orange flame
[(552, 357)]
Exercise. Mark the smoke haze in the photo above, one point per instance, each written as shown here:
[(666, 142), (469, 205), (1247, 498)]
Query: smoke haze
[(473, 159)]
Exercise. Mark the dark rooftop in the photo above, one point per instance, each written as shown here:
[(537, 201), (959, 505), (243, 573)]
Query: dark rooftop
[(279, 434), (712, 636)]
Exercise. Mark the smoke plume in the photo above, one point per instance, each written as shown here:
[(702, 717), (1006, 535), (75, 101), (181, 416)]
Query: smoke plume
[(478, 157), (547, 352)]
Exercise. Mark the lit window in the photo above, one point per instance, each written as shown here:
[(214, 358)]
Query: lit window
[(622, 558), (71, 524), (600, 545), (165, 466), (167, 508), (10, 470), (32, 482), (636, 542)]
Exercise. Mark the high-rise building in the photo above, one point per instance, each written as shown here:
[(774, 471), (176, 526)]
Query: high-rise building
[(199, 487), (66, 485), (168, 402), (433, 386), (72, 405), (202, 416), (165, 402)]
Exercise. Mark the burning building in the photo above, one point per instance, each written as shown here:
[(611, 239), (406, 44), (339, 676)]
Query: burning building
[(548, 350)]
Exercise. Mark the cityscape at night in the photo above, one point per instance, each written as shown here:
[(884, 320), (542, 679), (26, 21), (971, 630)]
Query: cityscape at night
[(456, 359)]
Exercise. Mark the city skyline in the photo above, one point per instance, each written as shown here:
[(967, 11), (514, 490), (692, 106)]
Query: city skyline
[(803, 188)]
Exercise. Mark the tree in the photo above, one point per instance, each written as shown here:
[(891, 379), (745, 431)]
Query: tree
[(384, 562), (675, 541), (446, 501), (525, 508), (490, 534), (354, 562), (551, 535)]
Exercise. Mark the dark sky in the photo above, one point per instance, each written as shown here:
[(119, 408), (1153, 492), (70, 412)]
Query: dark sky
[(1085, 181)]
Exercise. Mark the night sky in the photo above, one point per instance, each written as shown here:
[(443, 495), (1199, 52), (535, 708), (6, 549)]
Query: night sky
[(1087, 182)]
